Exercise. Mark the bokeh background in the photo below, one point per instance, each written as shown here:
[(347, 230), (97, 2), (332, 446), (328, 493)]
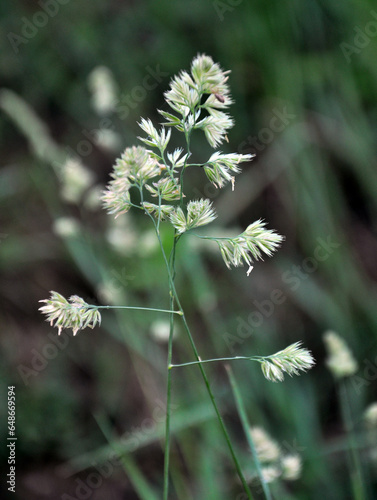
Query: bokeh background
[(304, 83)]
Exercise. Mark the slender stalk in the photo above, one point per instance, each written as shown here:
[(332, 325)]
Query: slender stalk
[(169, 311), (209, 390), (170, 267), (213, 238), (219, 417), (168, 384), (202, 361), (246, 428), (188, 138), (354, 458)]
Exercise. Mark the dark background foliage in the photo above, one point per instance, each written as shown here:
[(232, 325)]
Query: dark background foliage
[(311, 64)]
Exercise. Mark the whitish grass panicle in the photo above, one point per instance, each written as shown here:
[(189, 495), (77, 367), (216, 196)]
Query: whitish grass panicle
[(250, 245), (266, 448), (291, 467), (370, 416), (74, 313), (104, 90), (221, 168), (199, 213), (290, 360), (76, 179), (134, 168), (274, 463), (270, 473), (205, 89), (340, 360)]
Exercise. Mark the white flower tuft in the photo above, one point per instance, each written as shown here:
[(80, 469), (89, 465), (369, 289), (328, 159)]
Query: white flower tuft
[(155, 139), (135, 166), (163, 210), (220, 168), (168, 188), (75, 313), (266, 448), (340, 361), (291, 467), (249, 245), (199, 213), (205, 89), (76, 178), (104, 90), (291, 360), (370, 416)]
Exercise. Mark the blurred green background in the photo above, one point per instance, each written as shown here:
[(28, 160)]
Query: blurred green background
[(304, 81)]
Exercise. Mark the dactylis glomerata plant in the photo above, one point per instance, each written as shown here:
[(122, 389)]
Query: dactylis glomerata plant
[(198, 101)]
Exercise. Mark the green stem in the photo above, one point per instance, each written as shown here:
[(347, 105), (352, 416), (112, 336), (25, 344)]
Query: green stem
[(219, 417), (187, 135), (170, 267), (354, 458), (246, 428), (213, 238), (209, 390), (138, 309), (168, 383), (202, 361)]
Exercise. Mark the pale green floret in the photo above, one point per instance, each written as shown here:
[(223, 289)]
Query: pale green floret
[(274, 463), (266, 448), (290, 360), (205, 89), (249, 245), (168, 188), (76, 179), (176, 159), (221, 168), (75, 313), (199, 213), (340, 360), (155, 139), (104, 90), (270, 473), (135, 167), (215, 127), (116, 199), (291, 467), (370, 416), (163, 210), (210, 78)]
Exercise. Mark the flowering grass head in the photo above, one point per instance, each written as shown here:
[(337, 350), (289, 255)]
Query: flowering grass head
[(340, 360), (158, 173), (74, 313), (290, 360), (198, 100), (203, 91)]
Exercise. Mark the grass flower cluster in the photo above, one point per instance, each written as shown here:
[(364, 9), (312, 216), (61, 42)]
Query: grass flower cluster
[(340, 361), (154, 176), (250, 245), (290, 360), (73, 313), (275, 464)]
